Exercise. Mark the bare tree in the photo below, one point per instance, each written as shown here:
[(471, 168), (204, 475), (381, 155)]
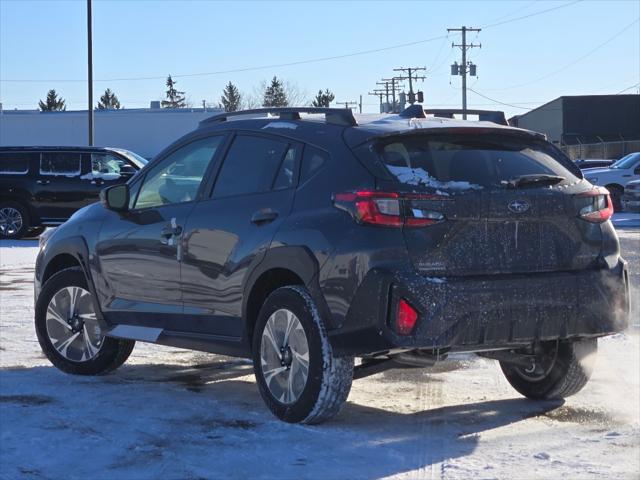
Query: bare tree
[(297, 97)]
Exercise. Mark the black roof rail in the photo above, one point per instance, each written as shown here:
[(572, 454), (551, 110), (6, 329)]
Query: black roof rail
[(416, 111), (333, 116)]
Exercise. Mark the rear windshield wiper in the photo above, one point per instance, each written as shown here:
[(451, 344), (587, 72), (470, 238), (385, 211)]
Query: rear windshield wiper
[(535, 179)]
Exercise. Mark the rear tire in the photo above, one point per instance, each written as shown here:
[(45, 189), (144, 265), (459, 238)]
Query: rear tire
[(564, 368), (300, 378), (14, 220), (71, 337)]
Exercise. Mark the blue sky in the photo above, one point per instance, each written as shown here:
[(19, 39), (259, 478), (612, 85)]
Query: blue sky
[(522, 62)]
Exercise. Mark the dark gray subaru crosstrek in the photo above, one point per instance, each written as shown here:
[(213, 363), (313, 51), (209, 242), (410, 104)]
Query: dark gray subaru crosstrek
[(306, 241)]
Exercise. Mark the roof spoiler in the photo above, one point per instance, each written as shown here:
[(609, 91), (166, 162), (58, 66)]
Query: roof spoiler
[(416, 111), (333, 116)]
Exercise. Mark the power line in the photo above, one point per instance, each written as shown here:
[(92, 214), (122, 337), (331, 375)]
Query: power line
[(497, 101), (628, 88), (521, 9), (570, 64), (294, 63), (540, 12)]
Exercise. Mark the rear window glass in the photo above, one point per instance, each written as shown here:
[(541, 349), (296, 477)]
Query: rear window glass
[(468, 161), (60, 163), (14, 163)]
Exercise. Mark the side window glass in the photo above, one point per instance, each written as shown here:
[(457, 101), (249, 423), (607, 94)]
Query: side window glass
[(250, 166), (177, 178), (105, 166), (14, 163), (312, 161), (60, 163), (287, 170)]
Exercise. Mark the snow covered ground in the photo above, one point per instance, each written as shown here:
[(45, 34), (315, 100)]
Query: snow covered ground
[(175, 414)]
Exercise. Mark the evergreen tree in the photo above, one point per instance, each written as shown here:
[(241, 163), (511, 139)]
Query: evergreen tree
[(323, 99), (175, 98), (231, 98), (274, 94), (52, 103), (108, 101)]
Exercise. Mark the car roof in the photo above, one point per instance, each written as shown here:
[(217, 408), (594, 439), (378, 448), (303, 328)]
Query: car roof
[(377, 125), (314, 129), (57, 148)]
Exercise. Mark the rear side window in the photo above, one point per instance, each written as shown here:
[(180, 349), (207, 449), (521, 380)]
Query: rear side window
[(14, 163), (287, 170), (251, 166), (478, 160), (312, 161), (60, 163)]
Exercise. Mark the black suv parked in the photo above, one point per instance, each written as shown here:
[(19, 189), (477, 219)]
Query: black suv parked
[(303, 242), (44, 186)]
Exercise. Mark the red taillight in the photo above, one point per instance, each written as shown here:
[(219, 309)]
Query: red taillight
[(406, 317), (600, 207), (388, 209)]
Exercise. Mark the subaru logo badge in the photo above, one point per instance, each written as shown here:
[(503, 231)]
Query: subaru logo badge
[(518, 206)]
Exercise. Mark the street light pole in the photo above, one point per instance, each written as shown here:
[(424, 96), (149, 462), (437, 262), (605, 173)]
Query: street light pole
[(90, 71)]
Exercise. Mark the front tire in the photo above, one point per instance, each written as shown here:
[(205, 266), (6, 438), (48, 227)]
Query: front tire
[(35, 232), (68, 331), (300, 378), (562, 369)]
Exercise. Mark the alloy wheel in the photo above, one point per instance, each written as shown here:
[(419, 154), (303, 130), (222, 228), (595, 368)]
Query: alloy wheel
[(72, 326), (10, 221), (284, 356)]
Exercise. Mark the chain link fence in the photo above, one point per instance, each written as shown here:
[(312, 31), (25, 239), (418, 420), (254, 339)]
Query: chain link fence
[(603, 150)]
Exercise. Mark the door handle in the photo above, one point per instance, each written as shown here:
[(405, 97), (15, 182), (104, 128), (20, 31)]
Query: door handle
[(43, 182), (171, 231), (97, 181), (264, 216)]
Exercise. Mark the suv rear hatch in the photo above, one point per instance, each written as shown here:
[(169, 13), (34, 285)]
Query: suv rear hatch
[(500, 202)]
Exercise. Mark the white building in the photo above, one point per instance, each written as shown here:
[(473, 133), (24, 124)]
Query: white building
[(145, 131)]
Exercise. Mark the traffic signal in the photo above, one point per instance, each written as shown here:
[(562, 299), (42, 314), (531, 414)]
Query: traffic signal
[(420, 97)]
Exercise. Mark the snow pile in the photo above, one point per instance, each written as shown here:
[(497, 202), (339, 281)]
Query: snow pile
[(419, 176), (171, 413)]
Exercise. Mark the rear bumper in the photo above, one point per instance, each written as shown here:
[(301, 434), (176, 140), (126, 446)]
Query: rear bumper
[(479, 313)]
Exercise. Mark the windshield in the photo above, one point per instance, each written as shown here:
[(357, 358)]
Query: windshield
[(471, 160), (627, 161), (134, 157)]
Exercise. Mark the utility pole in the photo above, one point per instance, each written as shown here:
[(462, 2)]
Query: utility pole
[(462, 69), (90, 71), (411, 77), (380, 94), (348, 104), (386, 90), (394, 88), (360, 106)]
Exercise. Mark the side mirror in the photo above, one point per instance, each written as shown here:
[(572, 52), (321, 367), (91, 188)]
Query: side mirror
[(127, 170), (637, 170), (116, 197)]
